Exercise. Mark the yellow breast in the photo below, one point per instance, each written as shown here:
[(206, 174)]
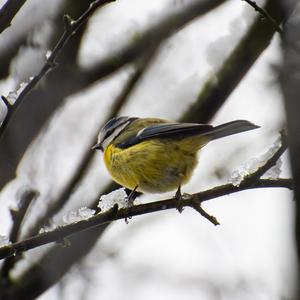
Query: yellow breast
[(155, 166), (118, 163)]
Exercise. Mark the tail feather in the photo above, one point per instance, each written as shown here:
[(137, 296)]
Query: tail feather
[(230, 128)]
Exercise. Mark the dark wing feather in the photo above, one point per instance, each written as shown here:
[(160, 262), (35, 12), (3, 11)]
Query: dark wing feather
[(166, 130)]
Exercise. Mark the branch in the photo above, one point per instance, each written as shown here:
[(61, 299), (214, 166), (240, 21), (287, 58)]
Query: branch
[(116, 214), (152, 36), (8, 12), (197, 206), (270, 162), (265, 14), (272, 21), (18, 216), (70, 28), (194, 201), (34, 276)]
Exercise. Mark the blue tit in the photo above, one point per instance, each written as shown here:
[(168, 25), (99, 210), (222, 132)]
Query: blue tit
[(152, 155)]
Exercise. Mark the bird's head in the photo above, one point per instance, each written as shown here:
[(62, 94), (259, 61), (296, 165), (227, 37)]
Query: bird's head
[(111, 130)]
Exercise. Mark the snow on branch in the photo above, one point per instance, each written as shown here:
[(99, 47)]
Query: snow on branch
[(115, 213), (268, 164)]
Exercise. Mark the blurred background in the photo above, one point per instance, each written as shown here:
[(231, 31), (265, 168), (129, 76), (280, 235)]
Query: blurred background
[(168, 59)]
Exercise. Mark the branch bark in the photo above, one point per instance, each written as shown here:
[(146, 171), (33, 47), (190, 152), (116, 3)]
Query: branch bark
[(8, 12), (251, 181), (116, 214), (17, 216), (265, 15)]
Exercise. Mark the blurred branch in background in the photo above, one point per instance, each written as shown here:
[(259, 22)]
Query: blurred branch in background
[(158, 32), (41, 102), (21, 35), (8, 11), (290, 71), (221, 84), (70, 28), (17, 216)]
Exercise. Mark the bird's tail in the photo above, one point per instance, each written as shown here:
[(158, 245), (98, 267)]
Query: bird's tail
[(230, 128)]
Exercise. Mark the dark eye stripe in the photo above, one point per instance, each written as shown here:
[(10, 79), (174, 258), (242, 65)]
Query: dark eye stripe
[(112, 125)]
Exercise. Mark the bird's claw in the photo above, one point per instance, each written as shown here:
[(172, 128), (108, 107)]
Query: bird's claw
[(178, 198)]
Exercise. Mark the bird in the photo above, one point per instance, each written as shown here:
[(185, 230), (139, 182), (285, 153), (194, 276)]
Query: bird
[(153, 155)]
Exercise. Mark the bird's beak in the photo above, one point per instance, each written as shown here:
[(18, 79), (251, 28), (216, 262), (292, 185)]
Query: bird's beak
[(97, 147)]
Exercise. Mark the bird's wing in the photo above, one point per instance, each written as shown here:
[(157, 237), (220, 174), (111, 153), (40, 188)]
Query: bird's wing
[(166, 130)]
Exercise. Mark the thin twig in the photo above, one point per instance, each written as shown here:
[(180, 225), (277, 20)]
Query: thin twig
[(70, 27), (114, 214), (265, 14), (7, 103), (203, 213), (8, 12), (18, 216), (275, 25)]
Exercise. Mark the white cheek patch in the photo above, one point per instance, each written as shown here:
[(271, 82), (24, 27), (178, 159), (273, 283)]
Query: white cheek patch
[(113, 135), (107, 141)]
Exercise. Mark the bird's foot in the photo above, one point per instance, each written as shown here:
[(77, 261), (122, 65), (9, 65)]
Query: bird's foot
[(178, 198), (131, 196)]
